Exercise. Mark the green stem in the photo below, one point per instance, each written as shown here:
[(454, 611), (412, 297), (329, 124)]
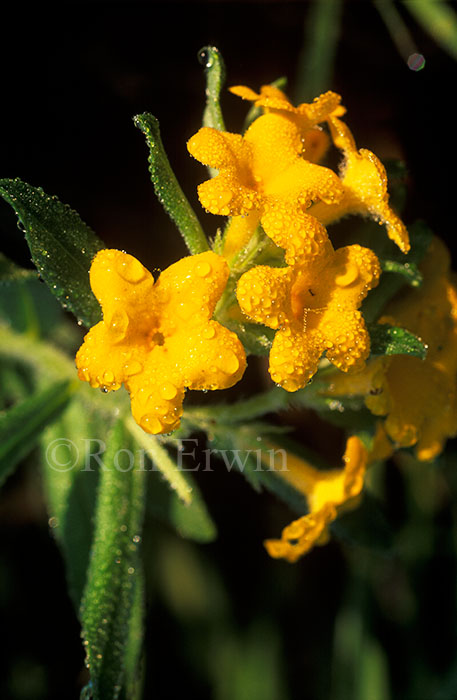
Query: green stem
[(315, 64)]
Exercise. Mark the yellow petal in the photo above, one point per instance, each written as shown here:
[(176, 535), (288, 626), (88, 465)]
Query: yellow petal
[(263, 294), (294, 357), (365, 188), (325, 491)]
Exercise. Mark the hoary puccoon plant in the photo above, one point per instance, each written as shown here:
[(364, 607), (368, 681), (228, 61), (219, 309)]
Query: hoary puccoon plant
[(358, 323)]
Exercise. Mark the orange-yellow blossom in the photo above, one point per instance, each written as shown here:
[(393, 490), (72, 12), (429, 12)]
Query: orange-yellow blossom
[(364, 179), (305, 116), (263, 176), (326, 492), (158, 338), (418, 397), (314, 309)]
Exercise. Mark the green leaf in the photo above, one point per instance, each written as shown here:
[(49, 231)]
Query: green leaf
[(439, 20), (191, 521), (409, 271), (403, 268), (70, 449), (28, 307), (174, 495), (213, 62), (315, 64), (21, 426), (62, 246), (10, 272), (392, 340), (110, 591), (167, 187)]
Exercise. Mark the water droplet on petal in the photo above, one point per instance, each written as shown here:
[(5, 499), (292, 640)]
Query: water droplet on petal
[(168, 391), (208, 332), (131, 270), (151, 424), (203, 269), (133, 367)]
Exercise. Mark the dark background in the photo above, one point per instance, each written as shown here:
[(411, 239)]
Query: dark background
[(73, 75)]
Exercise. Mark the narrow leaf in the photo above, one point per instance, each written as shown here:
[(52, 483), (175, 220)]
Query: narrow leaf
[(109, 595), (438, 19), (162, 460), (392, 340), (10, 272), (213, 62), (62, 246), (70, 449), (315, 64), (28, 306), (409, 271), (191, 521), (21, 426), (167, 187)]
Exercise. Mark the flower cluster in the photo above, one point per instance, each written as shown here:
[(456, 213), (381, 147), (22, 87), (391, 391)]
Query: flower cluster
[(160, 338), (418, 397)]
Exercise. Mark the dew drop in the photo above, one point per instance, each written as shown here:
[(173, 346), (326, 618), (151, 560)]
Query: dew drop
[(168, 391), (203, 269), (204, 57), (209, 332), (133, 367), (131, 270)]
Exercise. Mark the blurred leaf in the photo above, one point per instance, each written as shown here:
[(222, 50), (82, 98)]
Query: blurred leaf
[(162, 460), (133, 686), (391, 281), (21, 426), (438, 19), (167, 188), (62, 246), (15, 384), (191, 521), (316, 61), (111, 579), (10, 272), (28, 306), (70, 450), (392, 340), (174, 495), (211, 59), (409, 271)]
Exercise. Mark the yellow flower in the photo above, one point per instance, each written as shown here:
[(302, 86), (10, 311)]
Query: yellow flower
[(158, 338), (305, 116), (419, 397), (262, 176), (365, 187), (326, 493), (314, 308)]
